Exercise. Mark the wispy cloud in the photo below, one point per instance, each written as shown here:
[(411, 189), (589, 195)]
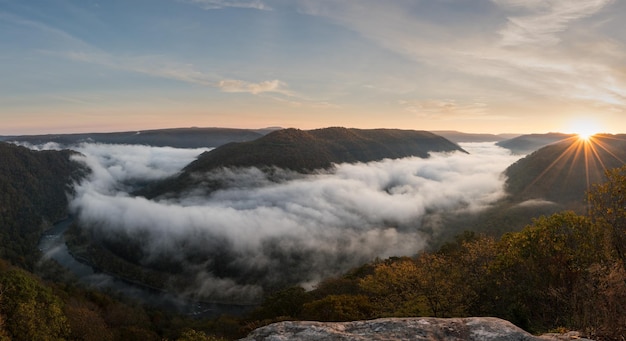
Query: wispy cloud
[(52, 34), (219, 4), (83, 100), (507, 54), (236, 85), (278, 90), (445, 109), (544, 20), (160, 67), (69, 47), (156, 66)]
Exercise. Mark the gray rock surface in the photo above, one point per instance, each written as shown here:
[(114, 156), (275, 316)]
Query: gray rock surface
[(391, 329)]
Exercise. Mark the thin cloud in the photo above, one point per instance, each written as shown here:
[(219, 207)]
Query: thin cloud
[(235, 85), (513, 61), (158, 67), (155, 66), (55, 35), (545, 20), (219, 4), (446, 109)]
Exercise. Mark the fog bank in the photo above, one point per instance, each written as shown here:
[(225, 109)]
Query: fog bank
[(260, 233)]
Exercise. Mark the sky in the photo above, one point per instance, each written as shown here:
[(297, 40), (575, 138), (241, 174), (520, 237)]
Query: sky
[(488, 66)]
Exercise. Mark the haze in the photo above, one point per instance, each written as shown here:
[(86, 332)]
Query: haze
[(473, 65)]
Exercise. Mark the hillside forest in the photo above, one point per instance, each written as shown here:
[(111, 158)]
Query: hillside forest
[(565, 271), (562, 272)]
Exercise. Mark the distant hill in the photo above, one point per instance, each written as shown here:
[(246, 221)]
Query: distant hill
[(267, 130), (305, 151), (178, 137), (459, 137), (525, 144), (33, 193), (562, 172)]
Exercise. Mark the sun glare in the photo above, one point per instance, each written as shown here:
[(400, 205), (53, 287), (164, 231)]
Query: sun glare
[(584, 128), (585, 135)]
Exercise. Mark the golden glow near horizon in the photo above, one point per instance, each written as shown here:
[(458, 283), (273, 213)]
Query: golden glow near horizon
[(585, 128), (585, 136)]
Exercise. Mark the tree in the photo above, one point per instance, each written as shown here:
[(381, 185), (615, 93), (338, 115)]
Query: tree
[(607, 203), (32, 311), (393, 287), (4, 334), (287, 303), (86, 322), (538, 270), (194, 335), (339, 308)]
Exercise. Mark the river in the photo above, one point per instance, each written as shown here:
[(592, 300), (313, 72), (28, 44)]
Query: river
[(52, 245)]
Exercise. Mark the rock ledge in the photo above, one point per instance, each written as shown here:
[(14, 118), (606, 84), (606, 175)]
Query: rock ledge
[(391, 329)]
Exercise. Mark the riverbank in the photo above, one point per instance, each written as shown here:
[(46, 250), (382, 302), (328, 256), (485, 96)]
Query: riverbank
[(52, 245)]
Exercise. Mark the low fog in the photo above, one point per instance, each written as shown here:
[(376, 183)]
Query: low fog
[(262, 232)]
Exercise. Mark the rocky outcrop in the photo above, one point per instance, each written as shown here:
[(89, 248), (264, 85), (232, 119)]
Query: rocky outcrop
[(390, 329)]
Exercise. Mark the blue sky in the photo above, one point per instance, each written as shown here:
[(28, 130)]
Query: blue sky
[(470, 65)]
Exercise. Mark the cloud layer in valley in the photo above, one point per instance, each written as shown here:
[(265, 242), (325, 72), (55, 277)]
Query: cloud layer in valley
[(262, 232)]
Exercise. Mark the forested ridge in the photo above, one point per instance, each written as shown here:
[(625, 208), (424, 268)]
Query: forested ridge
[(33, 194), (306, 151)]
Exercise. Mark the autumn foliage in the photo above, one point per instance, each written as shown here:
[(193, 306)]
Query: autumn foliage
[(564, 271)]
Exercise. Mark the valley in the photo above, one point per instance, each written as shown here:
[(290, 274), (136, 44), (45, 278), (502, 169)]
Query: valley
[(236, 235)]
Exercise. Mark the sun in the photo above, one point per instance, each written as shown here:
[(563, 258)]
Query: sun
[(585, 128), (585, 136)]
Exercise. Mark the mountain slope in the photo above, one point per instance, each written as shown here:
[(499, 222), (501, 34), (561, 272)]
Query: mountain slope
[(33, 192), (305, 151), (562, 172)]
